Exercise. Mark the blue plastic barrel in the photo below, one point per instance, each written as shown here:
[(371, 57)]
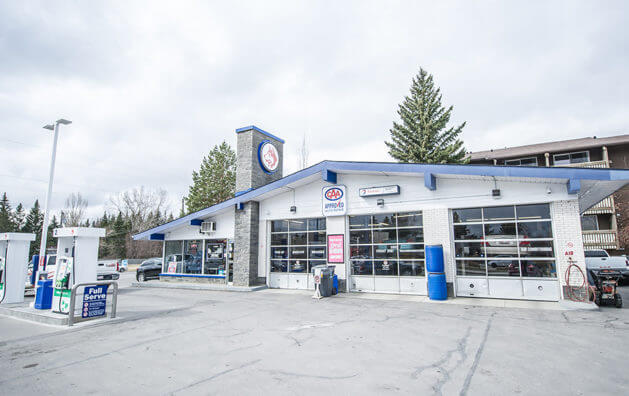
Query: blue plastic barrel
[(434, 258), (43, 298), (437, 289)]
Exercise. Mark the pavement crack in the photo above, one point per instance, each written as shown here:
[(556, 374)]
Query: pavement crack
[(479, 352), (328, 377), (440, 365), (219, 374)]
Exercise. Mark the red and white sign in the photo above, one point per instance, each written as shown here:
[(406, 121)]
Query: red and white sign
[(172, 267), (269, 157), (336, 248)]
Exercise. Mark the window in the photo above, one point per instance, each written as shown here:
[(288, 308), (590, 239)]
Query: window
[(571, 158), (530, 161), (506, 241), (298, 244), (193, 256), (589, 223), (595, 253), (172, 256), (389, 244)]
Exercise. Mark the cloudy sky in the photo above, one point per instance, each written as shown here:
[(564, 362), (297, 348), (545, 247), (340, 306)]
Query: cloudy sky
[(151, 86)]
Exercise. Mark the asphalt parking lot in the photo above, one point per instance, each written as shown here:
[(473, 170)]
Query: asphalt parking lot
[(282, 342)]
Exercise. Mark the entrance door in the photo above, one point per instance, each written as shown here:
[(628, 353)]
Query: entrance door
[(215, 258)]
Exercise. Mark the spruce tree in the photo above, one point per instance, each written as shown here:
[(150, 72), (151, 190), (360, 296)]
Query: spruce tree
[(50, 240), (215, 181), (19, 217), (6, 217), (118, 237), (423, 135), (33, 224)]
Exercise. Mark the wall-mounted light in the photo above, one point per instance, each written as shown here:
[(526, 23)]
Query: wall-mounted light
[(380, 203), (293, 209), (495, 193), (548, 190)]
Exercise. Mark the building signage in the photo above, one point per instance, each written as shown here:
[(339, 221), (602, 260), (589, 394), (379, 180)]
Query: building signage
[(172, 267), (336, 248), (334, 201), (94, 301), (376, 191), (268, 156)]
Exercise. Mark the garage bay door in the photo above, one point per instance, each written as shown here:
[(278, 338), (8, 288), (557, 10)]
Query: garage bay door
[(387, 253), (296, 246), (505, 252)]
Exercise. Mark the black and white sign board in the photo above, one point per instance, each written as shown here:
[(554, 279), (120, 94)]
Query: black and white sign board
[(378, 191)]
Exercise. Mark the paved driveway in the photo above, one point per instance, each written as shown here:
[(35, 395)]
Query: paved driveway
[(270, 342)]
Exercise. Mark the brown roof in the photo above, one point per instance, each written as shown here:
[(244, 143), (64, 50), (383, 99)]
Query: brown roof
[(550, 147)]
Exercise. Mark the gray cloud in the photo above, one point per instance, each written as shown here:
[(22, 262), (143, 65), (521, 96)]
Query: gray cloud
[(151, 88)]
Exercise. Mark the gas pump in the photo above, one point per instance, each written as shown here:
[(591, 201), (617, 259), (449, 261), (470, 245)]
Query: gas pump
[(14, 249), (62, 281), (77, 256)]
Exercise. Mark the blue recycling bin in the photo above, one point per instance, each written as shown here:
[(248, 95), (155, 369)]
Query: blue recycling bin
[(43, 298), (434, 258), (437, 288)]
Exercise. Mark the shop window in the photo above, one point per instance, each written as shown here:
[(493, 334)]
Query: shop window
[(504, 241), (214, 258), (390, 244), (173, 256), (297, 245), (193, 257)]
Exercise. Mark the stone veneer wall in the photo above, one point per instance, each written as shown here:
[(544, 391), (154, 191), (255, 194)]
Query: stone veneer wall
[(246, 245)]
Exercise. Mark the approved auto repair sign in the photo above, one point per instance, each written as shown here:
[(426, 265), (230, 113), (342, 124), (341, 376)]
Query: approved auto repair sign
[(334, 201)]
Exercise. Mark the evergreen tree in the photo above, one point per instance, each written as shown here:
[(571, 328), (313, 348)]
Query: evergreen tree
[(422, 135), (118, 237), (215, 181), (50, 240), (6, 217), (19, 218), (33, 224)]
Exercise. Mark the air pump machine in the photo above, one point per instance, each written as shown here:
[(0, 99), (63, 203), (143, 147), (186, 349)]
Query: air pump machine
[(77, 256), (14, 248)]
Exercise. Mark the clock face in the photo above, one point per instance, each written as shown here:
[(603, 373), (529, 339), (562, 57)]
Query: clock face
[(269, 157)]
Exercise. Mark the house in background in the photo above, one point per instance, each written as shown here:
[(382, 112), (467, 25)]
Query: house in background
[(602, 222)]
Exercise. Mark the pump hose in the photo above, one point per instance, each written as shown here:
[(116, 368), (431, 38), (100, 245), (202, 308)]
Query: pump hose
[(571, 295)]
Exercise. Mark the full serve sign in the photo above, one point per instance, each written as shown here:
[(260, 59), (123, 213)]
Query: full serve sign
[(334, 201)]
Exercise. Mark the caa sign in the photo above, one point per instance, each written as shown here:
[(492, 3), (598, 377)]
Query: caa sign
[(268, 156), (334, 201)]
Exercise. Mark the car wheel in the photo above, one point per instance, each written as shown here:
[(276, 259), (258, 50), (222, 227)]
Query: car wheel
[(598, 300), (618, 300), (141, 277)]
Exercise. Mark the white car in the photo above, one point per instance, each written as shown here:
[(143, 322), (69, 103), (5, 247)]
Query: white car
[(600, 259)]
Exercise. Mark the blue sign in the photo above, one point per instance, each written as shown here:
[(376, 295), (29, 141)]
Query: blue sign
[(94, 301)]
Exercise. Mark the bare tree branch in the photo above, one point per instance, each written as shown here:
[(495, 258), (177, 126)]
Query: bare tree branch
[(302, 153), (74, 212), (143, 208)]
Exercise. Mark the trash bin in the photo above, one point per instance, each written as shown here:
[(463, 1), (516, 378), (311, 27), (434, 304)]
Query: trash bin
[(43, 298), (335, 285), (326, 275)]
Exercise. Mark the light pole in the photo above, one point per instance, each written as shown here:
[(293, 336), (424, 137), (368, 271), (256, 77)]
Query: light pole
[(44, 231)]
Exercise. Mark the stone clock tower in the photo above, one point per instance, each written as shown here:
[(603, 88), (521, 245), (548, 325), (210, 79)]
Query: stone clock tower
[(259, 161)]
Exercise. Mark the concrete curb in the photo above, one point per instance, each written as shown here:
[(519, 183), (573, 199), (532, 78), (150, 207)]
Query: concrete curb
[(22, 311), (187, 286)]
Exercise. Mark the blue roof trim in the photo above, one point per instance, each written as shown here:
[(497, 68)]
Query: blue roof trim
[(156, 237), (255, 128), (239, 193), (574, 186), (430, 181), (196, 222), (603, 174), (328, 176)]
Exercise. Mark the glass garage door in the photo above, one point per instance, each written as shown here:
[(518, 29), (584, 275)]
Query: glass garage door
[(387, 253), (296, 246), (505, 252)]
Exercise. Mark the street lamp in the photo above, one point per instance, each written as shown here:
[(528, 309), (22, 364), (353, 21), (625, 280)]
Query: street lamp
[(44, 231)]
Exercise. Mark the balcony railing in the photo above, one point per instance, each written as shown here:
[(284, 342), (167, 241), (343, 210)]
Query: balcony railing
[(601, 239), (591, 164)]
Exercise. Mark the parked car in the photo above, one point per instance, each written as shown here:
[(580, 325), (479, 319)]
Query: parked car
[(600, 259), (107, 270), (149, 269), (123, 265)]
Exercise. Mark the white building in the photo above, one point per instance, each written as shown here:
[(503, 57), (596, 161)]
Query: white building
[(506, 232)]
